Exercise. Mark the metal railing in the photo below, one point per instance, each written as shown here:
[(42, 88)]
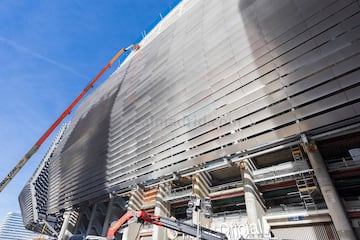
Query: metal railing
[(229, 214), (162, 14), (344, 162), (179, 192), (226, 186), (282, 170)]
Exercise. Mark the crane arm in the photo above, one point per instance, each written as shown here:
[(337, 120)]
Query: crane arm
[(115, 227), (189, 229), (67, 111)]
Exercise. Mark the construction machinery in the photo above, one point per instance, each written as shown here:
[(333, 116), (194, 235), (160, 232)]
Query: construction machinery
[(67, 111), (169, 223)]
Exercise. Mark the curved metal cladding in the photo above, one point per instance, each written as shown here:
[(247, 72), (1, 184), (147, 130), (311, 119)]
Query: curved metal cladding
[(26, 205), (34, 196), (213, 79), (79, 164)]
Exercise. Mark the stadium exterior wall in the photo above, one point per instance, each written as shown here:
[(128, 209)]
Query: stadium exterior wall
[(217, 83)]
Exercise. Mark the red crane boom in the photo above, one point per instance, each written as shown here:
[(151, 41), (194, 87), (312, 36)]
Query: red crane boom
[(67, 111)]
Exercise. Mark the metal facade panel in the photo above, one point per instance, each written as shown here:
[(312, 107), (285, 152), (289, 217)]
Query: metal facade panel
[(215, 79), (315, 232)]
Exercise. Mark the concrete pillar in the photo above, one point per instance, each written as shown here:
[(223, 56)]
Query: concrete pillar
[(92, 219), (64, 234), (161, 209), (201, 184), (135, 203), (255, 208), (107, 217), (333, 202)]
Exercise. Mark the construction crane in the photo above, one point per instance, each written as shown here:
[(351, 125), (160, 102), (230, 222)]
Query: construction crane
[(68, 110), (173, 224)]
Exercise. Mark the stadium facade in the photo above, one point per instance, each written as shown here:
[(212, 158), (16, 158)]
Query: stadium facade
[(33, 198), (252, 103)]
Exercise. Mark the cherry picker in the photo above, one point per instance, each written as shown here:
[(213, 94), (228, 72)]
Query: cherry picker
[(169, 223)]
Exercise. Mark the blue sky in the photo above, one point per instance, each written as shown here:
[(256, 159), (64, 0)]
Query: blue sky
[(49, 51)]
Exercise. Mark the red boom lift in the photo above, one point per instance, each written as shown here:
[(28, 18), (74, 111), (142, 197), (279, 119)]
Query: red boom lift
[(141, 217), (173, 224)]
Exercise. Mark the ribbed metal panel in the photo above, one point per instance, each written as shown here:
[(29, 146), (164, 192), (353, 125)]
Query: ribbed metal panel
[(33, 198), (79, 163), (314, 232), (213, 79), (26, 205)]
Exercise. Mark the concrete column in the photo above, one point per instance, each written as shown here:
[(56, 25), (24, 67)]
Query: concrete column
[(255, 208), (92, 219), (107, 217), (333, 202), (135, 203), (201, 184), (161, 209), (64, 234)]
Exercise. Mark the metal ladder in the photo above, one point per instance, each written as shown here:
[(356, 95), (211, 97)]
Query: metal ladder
[(297, 153), (306, 186)]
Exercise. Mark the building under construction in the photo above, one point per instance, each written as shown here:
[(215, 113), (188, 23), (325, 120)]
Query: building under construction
[(254, 104)]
